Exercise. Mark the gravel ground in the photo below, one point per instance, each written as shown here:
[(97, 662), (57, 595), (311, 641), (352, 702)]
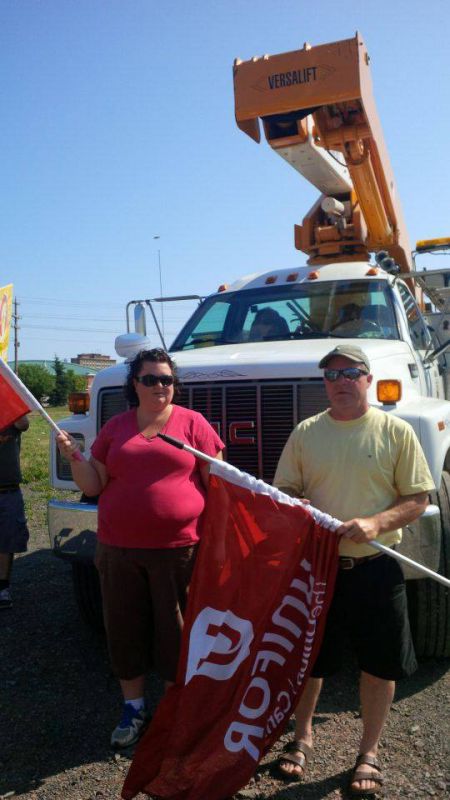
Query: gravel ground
[(59, 703)]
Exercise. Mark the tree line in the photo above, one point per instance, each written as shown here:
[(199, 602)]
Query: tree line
[(48, 388)]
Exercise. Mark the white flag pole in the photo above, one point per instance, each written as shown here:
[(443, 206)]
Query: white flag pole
[(405, 560), (14, 381), (376, 545)]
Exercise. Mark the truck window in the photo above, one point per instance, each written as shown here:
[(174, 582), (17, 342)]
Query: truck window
[(208, 330), (327, 309)]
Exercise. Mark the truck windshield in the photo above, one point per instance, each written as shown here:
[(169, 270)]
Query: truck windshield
[(340, 309)]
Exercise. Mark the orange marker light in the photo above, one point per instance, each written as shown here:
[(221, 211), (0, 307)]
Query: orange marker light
[(372, 271), (79, 402), (313, 275), (433, 244), (389, 391), (441, 426), (292, 276), (271, 279), (223, 287)]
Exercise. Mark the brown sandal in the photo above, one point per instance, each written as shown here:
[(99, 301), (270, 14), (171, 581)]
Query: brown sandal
[(298, 753), (361, 775)]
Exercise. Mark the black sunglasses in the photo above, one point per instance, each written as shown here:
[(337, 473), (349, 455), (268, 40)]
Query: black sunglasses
[(351, 373), (152, 380)]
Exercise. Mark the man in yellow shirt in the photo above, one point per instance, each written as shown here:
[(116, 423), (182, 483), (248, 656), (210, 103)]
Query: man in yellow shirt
[(365, 467)]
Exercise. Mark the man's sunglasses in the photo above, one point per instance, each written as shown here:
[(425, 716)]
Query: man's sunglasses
[(152, 380), (350, 373)]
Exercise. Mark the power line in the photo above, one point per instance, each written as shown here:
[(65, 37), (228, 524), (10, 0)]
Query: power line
[(64, 328), (86, 331), (77, 303), (70, 316), (63, 339)]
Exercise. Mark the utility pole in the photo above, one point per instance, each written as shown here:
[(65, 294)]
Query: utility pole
[(15, 319)]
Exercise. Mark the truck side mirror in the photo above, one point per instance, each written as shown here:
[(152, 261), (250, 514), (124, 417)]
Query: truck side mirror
[(436, 353)]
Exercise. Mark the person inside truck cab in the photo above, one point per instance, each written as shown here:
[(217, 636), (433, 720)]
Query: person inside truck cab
[(348, 318), (353, 320), (151, 502), (268, 324)]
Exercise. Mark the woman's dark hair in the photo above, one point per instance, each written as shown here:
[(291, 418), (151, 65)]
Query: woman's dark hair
[(156, 356)]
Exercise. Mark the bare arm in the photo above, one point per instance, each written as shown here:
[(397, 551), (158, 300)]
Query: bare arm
[(204, 470), (22, 424), (405, 509), (90, 476)]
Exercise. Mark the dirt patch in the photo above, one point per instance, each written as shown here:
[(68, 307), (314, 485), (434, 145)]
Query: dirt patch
[(59, 703)]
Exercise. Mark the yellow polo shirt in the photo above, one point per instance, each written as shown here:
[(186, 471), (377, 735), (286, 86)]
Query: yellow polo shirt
[(354, 469)]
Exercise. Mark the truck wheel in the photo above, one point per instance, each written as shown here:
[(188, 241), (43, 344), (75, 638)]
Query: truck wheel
[(87, 594), (429, 601)]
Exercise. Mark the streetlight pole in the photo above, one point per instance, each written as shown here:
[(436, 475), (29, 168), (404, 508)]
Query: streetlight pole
[(16, 318), (160, 286)]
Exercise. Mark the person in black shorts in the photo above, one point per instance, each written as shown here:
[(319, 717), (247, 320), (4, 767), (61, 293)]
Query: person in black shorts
[(13, 526), (365, 467)]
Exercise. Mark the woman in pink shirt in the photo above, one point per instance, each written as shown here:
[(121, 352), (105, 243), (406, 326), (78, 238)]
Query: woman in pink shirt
[(151, 502)]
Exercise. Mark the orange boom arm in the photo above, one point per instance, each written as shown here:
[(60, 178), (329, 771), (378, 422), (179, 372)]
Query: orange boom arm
[(318, 112)]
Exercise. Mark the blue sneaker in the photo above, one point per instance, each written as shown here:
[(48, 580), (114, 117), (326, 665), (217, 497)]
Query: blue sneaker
[(131, 726)]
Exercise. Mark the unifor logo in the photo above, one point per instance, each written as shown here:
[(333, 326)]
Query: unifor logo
[(218, 644)]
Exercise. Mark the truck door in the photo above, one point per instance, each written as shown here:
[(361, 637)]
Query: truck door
[(422, 342), (435, 283)]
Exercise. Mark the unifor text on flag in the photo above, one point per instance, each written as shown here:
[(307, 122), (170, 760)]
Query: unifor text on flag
[(262, 585)]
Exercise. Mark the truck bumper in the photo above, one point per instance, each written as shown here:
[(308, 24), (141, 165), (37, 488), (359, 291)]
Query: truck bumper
[(72, 528)]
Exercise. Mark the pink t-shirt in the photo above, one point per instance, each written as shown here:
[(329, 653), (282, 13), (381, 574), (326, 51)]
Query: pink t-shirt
[(154, 496)]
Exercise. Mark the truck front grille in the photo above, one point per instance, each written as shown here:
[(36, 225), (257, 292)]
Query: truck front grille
[(110, 403), (254, 419)]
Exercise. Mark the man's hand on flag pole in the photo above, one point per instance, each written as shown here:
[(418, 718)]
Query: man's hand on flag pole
[(404, 510), (359, 530)]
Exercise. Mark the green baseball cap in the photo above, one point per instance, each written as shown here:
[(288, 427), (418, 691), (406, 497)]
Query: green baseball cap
[(349, 351)]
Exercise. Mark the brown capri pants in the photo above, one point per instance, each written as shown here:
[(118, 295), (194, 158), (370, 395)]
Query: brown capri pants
[(144, 593)]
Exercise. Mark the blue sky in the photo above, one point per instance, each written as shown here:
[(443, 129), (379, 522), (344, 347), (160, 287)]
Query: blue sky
[(118, 125)]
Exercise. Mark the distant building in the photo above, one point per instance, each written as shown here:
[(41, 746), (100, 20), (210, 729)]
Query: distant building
[(95, 360)]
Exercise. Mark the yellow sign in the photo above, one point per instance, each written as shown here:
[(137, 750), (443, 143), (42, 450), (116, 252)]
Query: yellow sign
[(6, 297)]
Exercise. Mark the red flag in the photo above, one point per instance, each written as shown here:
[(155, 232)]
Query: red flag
[(261, 588), (13, 402)]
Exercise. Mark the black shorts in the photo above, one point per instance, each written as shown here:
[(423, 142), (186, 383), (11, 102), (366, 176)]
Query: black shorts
[(144, 594), (369, 608), (14, 533)]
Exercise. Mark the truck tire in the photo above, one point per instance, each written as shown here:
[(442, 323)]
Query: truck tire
[(429, 601), (86, 587)]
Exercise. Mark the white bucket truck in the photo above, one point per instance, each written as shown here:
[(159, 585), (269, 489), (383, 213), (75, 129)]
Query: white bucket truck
[(248, 356)]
